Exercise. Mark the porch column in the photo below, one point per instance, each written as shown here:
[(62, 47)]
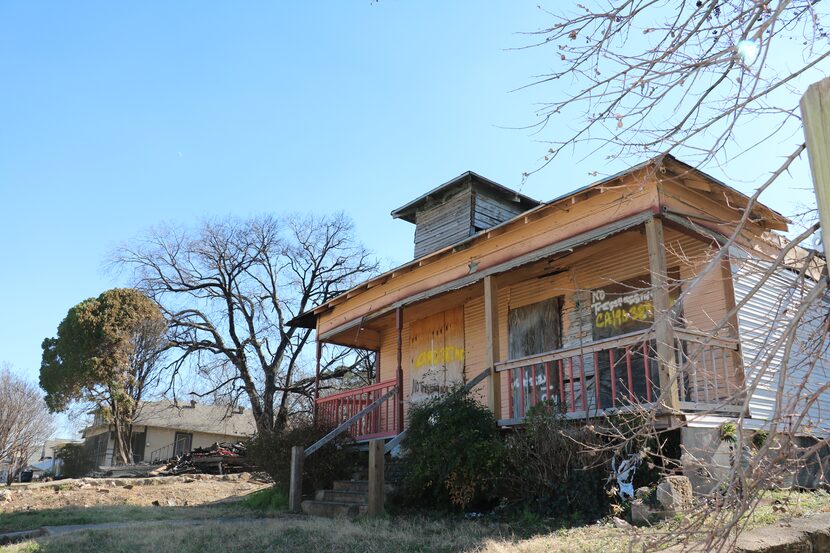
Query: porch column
[(664, 332), (736, 387), (317, 378), (491, 323), (399, 373)]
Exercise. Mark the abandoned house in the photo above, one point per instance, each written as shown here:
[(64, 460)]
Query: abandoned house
[(164, 429), (533, 301)]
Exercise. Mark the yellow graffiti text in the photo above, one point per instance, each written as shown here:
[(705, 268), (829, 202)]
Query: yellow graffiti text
[(439, 356)]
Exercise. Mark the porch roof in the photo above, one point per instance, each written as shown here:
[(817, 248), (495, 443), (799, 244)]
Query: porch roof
[(666, 165)]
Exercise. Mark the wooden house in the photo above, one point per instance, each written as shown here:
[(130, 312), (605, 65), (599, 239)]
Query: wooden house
[(597, 300)]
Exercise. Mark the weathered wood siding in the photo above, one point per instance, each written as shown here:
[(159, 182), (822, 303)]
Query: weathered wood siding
[(443, 224), (489, 211)]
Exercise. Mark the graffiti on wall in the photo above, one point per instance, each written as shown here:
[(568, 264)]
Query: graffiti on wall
[(436, 354), (626, 306)]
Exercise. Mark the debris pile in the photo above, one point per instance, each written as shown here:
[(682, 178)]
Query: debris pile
[(220, 458)]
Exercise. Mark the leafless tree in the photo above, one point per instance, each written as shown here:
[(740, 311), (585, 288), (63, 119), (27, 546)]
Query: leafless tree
[(228, 290), (709, 80), (653, 76), (25, 422)]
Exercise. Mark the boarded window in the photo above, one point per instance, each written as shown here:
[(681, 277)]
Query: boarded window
[(627, 306), (533, 329), (436, 347)]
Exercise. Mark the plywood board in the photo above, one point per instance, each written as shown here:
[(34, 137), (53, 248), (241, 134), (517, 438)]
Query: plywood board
[(436, 354)]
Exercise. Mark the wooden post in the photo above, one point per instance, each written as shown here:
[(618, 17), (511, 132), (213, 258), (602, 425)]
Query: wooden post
[(317, 378), (491, 322), (663, 330), (376, 484), (295, 490), (399, 373), (815, 113)]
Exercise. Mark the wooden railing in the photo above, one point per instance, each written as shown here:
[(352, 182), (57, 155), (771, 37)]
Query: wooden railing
[(380, 422), (709, 376), (619, 372)]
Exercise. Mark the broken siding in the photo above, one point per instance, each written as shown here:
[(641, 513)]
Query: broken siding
[(764, 321)]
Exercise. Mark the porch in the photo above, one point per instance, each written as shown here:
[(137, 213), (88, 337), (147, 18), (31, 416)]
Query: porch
[(599, 378)]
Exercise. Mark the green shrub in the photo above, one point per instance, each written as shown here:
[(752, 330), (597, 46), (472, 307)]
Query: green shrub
[(555, 467), (77, 460), (334, 461), (268, 500), (759, 438), (729, 432), (454, 453)]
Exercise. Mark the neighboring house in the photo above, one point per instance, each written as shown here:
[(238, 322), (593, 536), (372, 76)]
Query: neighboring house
[(41, 461), (556, 300), (48, 460), (164, 428)]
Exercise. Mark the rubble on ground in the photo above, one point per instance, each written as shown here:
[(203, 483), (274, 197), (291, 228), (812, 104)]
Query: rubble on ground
[(219, 458)]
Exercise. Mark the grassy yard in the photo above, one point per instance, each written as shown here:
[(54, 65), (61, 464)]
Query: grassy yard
[(27, 520), (402, 534), (257, 504)]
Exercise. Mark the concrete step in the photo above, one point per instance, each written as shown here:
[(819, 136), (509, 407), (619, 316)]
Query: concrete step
[(333, 509), (342, 496), (352, 485)]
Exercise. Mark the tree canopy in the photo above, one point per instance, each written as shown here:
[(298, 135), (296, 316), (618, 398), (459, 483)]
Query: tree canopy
[(106, 353)]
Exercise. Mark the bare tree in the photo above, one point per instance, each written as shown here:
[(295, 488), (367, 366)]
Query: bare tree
[(25, 422), (653, 76), (228, 290), (710, 80)]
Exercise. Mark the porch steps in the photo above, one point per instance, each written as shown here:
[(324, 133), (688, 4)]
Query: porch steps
[(348, 498)]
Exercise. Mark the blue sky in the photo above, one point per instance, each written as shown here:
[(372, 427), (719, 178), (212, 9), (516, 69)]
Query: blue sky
[(117, 116)]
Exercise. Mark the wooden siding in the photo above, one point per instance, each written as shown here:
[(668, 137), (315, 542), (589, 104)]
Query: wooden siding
[(505, 243), (489, 211), (443, 224), (619, 258)]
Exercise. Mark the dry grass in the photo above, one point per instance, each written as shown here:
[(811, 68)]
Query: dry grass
[(289, 533)]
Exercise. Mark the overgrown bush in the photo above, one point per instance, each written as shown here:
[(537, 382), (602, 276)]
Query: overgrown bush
[(454, 453), (555, 467), (77, 460), (331, 462)]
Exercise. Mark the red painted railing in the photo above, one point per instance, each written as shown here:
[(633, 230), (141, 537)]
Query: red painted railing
[(382, 422), (622, 371)]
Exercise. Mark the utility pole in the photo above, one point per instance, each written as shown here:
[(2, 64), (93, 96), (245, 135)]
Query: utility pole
[(815, 113)]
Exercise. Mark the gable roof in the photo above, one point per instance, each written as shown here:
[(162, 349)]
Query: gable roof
[(407, 211), (196, 417)]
